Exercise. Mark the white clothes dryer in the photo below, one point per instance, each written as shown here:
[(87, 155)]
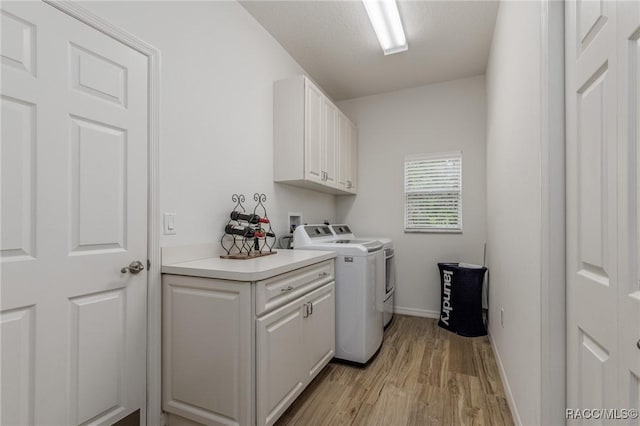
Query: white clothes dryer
[(359, 273), (344, 231)]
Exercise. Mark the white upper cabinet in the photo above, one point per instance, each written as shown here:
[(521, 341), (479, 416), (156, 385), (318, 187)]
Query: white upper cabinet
[(314, 135), (347, 155), (352, 169), (314, 143), (343, 152), (330, 160)]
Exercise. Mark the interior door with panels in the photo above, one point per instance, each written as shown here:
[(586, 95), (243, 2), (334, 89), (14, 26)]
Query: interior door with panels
[(592, 250), (628, 45), (74, 213)]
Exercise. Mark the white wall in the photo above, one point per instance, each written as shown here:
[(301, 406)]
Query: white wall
[(525, 226), (218, 66), (434, 118)]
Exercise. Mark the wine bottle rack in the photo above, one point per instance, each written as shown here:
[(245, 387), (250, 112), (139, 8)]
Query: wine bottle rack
[(254, 239)]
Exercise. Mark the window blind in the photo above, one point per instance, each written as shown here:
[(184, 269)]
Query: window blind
[(433, 192)]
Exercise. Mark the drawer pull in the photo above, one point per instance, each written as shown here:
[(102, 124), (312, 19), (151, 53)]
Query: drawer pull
[(323, 274), (287, 288)]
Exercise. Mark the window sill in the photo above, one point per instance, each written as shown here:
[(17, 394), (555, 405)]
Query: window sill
[(433, 231)]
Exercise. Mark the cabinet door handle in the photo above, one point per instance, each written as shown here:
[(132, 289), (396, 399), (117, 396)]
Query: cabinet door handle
[(323, 274), (311, 306), (287, 288), (305, 309)]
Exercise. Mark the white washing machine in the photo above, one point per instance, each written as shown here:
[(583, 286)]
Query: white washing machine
[(344, 231), (359, 275)]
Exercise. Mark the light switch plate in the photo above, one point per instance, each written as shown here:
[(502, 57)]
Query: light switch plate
[(169, 224)]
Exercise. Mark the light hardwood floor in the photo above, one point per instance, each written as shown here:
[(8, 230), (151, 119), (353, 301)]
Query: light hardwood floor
[(423, 375)]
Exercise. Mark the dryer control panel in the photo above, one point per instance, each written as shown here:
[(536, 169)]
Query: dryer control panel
[(318, 231), (341, 229)]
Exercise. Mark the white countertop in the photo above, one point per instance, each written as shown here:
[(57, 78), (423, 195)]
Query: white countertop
[(256, 269)]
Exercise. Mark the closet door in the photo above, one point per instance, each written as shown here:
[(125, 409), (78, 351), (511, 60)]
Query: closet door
[(628, 45), (603, 287), (592, 205)]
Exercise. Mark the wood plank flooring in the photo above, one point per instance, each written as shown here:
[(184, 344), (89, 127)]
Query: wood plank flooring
[(423, 375)]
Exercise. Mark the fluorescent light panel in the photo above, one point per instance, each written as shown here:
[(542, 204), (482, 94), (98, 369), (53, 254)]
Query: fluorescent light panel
[(385, 19)]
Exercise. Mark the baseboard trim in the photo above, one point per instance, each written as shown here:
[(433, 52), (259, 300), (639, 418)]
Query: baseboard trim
[(505, 382), (415, 312)]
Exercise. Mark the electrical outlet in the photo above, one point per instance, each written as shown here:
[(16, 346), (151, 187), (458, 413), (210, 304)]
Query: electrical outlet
[(502, 317)]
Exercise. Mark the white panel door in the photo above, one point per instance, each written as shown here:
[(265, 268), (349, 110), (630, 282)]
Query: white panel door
[(592, 251), (603, 153), (74, 212), (628, 44)]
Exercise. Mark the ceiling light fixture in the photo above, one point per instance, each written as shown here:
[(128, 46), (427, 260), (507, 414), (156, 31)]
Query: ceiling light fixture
[(385, 20)]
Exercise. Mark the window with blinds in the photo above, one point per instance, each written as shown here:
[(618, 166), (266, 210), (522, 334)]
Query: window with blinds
[(433, 192)]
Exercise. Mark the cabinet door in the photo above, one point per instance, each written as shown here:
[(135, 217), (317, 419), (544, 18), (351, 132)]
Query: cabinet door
[(313, 130), (331, 143), (206, 338), (343, 151), (279, 344), (352, 167), (319, 329)]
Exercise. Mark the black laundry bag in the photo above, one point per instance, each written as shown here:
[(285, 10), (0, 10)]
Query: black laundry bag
[(461, 299)]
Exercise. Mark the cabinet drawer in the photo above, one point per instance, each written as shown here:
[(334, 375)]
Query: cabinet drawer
[(281, 289)]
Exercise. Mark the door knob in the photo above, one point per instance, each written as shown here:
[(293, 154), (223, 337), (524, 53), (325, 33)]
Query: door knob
[(134, 267), (638, 343)]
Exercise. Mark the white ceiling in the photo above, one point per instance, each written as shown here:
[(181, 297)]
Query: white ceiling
[(335, 43)]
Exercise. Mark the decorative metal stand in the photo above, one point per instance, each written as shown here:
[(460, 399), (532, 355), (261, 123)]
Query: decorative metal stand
[(257, 239)]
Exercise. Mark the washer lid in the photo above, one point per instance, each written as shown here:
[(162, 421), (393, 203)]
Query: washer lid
[(344, 231), (343, 248)]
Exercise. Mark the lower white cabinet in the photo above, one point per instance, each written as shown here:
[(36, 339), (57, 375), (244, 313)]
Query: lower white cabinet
[(231, 357), (319, 330), (207, 350), (293, 344)]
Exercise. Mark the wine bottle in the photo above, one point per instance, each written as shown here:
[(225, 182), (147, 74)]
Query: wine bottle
[(251, 218), (244, 231)]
